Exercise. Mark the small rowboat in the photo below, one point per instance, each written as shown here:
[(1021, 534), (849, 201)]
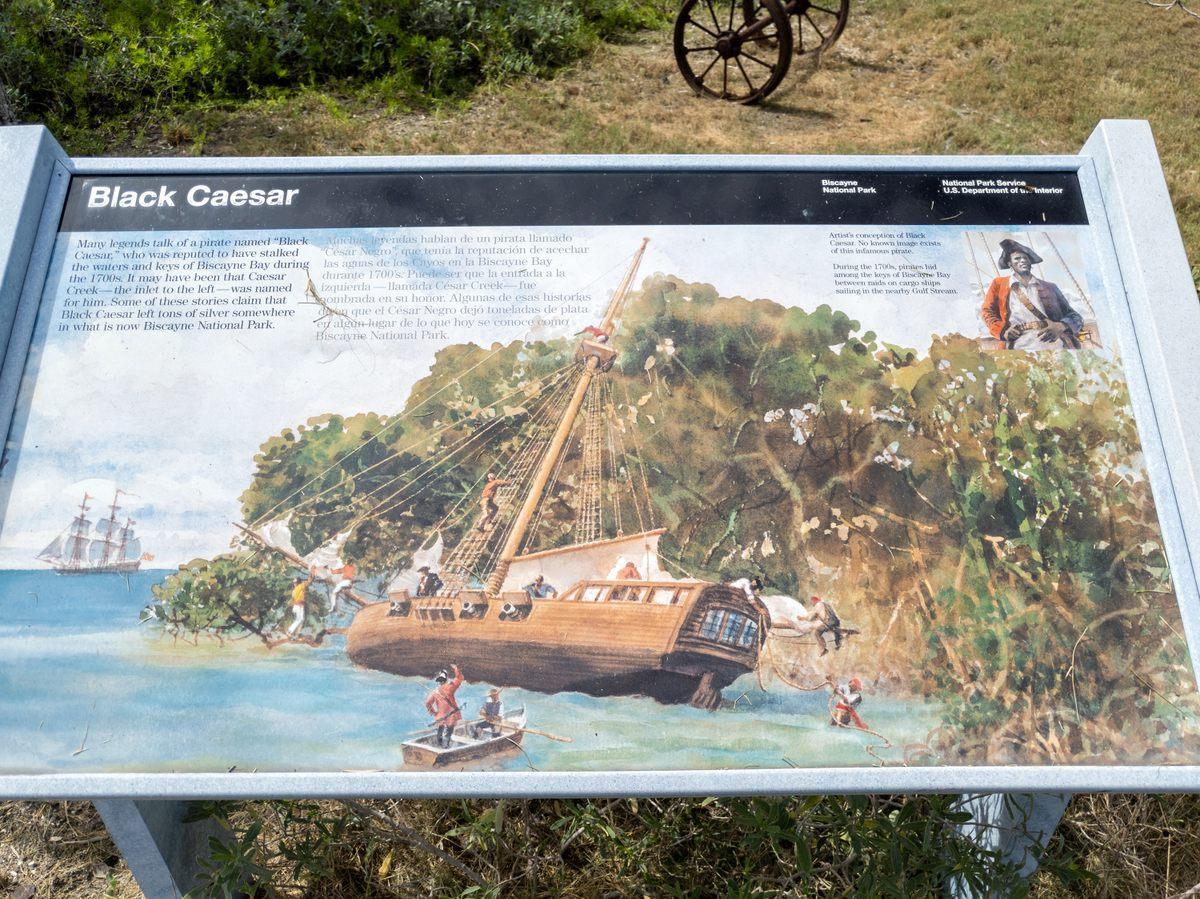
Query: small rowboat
[(424, 752)]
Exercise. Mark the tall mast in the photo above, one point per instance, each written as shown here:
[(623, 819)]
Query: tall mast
[(77, 538), (513, 544), (112, 523)]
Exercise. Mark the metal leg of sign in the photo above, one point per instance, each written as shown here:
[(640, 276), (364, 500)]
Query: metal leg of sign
[(1016, 825), (161, 849)]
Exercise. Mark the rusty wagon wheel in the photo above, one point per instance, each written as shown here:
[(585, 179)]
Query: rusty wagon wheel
[(818, 25), (731, 52)]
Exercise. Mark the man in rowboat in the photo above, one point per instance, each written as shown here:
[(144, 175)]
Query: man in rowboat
[(492, 713), (443, 706)]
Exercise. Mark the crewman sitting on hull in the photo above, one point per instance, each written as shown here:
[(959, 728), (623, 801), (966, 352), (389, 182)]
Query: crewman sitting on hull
[(539, 589)]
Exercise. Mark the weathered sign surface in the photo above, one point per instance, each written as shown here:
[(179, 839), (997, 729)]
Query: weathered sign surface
[(565, 467)]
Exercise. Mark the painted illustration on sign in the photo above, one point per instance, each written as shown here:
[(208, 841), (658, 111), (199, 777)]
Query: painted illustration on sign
[(585, 499)]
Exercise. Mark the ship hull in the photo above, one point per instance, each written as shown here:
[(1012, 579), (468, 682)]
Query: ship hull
[(119, 568), (601, 649)]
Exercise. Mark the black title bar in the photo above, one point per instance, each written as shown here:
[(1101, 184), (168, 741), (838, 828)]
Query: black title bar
[(532, 198)]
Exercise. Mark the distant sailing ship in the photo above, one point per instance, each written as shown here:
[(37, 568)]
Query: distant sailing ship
[(108, 546)]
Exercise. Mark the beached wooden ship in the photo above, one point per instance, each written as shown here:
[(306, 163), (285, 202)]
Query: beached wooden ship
[(618, 623)]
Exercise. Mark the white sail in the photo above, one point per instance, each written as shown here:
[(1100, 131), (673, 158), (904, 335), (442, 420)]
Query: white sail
[(100, 551), (785, 611), (54, 551), (133, 550), (599, 560), (329, 556), (76, 547), (278, 534), (425, 557), (106, 529)]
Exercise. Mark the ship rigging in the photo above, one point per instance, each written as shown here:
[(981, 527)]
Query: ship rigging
[(110, 546), (622, 624)]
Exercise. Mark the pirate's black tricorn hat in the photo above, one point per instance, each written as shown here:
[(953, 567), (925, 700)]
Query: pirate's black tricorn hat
[(1008, 247)]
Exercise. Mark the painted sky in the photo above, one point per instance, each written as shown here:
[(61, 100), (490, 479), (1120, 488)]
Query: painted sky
[(175, 419)]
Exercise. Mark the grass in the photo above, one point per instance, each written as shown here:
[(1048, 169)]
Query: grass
[(908, 77)]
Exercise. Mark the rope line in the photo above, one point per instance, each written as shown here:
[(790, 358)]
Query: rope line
[(404, 415), (464, 561), (429, 465), (869, 748), (395, 455)]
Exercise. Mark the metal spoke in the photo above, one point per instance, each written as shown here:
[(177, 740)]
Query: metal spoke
[(765, 65), (702, 28), (733, 5), (828, 12), (761, 34), (742, 69), (700, 79), (711, 49), (725, 79), (814, 25), (712, 12)]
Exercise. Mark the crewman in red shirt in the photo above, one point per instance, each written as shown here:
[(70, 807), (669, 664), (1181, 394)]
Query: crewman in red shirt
[(442, 704)]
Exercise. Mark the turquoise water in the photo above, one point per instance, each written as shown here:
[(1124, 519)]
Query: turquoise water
[(85, 687)]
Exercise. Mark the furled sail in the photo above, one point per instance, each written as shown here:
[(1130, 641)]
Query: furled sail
[(278, 535), (329, 555), (599, 560), (426, 557)]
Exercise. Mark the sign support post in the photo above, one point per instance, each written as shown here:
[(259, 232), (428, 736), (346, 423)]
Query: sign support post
[(165, 852)]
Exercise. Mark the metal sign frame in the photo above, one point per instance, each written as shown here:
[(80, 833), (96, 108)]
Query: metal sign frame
[(1152, 305)]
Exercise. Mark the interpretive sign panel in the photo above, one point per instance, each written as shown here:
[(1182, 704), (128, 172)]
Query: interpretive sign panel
[(562, 468)]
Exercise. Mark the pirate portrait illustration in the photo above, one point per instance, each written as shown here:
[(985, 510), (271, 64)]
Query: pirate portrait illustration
[(1026, 312)]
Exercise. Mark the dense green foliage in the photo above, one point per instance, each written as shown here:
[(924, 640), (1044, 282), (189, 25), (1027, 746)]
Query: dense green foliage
[(984, 517), (232, 595), (73, 63), (808, 846)]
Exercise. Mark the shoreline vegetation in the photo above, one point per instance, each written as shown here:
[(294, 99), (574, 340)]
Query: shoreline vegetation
[(983, 518)]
